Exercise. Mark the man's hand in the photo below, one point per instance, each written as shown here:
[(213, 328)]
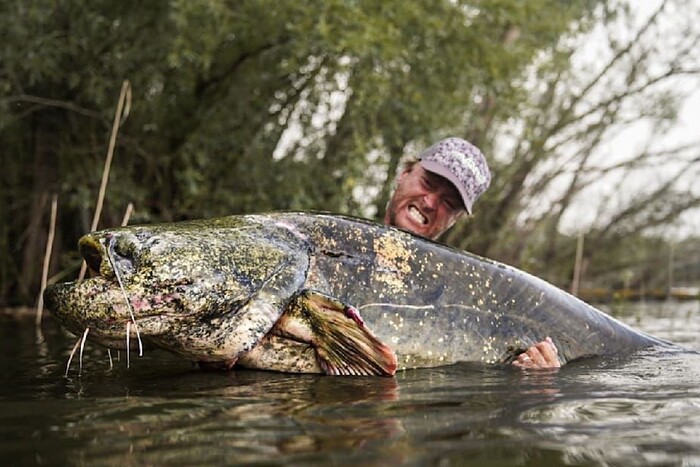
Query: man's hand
[(541, 355)]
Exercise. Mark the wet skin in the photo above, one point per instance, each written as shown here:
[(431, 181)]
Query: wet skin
[(279, 291)]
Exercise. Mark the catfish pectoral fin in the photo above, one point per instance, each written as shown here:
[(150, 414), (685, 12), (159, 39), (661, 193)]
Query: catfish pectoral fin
[(346, 349), (344, 346)]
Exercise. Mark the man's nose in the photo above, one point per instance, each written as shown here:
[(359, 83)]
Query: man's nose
[(431, 200)]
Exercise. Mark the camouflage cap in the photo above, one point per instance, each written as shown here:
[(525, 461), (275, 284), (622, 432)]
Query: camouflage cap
[(461, 163)]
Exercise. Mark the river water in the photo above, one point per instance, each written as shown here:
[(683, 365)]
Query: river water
[(641, 410)]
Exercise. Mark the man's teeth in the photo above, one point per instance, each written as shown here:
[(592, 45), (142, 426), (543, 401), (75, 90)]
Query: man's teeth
[(416, 215)]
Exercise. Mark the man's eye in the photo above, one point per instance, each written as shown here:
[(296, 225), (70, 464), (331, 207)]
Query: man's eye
[(451, 204)]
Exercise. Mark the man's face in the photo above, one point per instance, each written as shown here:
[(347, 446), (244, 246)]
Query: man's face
[(424, 203)]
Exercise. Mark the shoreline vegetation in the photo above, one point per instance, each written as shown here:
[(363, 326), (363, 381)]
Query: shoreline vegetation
[(232, 110)]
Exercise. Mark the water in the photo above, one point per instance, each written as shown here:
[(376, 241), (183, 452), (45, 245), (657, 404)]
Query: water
[(643, 410)]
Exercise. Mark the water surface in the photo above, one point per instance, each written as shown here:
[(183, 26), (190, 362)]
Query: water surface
[(640, 410)]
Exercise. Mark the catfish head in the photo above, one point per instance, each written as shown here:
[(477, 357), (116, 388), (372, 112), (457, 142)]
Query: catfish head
[(205, 290)]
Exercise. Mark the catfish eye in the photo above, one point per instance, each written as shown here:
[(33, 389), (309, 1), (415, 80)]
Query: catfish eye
[(120, 253)]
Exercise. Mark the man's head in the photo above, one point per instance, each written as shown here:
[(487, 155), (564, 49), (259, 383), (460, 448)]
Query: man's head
[(434, 191)]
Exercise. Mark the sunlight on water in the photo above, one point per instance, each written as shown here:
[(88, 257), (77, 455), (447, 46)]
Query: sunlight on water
[(641, 410)]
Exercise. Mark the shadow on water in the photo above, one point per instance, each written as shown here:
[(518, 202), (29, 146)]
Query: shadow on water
[(641, 410)]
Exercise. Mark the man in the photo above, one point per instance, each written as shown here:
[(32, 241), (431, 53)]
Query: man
[(434, 191)]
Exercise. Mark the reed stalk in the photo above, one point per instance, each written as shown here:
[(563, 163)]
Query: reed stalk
[(47, 259), (122, 112), (127, 214)]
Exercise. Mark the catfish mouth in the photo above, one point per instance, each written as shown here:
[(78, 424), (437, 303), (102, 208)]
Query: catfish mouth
[(100, 302), (130, 295), (95, 303), (98, 308)]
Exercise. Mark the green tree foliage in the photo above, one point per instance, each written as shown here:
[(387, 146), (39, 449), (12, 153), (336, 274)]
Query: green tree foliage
[(237, 106), (255, 105)]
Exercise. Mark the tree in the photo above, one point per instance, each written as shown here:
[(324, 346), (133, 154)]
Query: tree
[(582, 101), (349, 87)]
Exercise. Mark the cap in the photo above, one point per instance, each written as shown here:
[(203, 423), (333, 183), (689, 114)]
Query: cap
[(462, 164)]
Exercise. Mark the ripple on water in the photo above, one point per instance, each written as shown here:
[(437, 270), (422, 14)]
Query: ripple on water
[(632, 430), (642, 410)]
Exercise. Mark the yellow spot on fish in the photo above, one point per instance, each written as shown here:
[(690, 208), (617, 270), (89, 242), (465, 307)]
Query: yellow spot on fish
[(393, 261)]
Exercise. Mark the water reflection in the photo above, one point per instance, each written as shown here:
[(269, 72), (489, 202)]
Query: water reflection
[(639, 410), (250, 414)]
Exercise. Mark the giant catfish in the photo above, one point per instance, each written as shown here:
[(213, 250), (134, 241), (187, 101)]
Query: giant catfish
[(320, 293)]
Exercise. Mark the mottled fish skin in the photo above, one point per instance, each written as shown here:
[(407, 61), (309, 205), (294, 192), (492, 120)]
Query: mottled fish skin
[(213, 290), (434, 305), (205, 290)]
